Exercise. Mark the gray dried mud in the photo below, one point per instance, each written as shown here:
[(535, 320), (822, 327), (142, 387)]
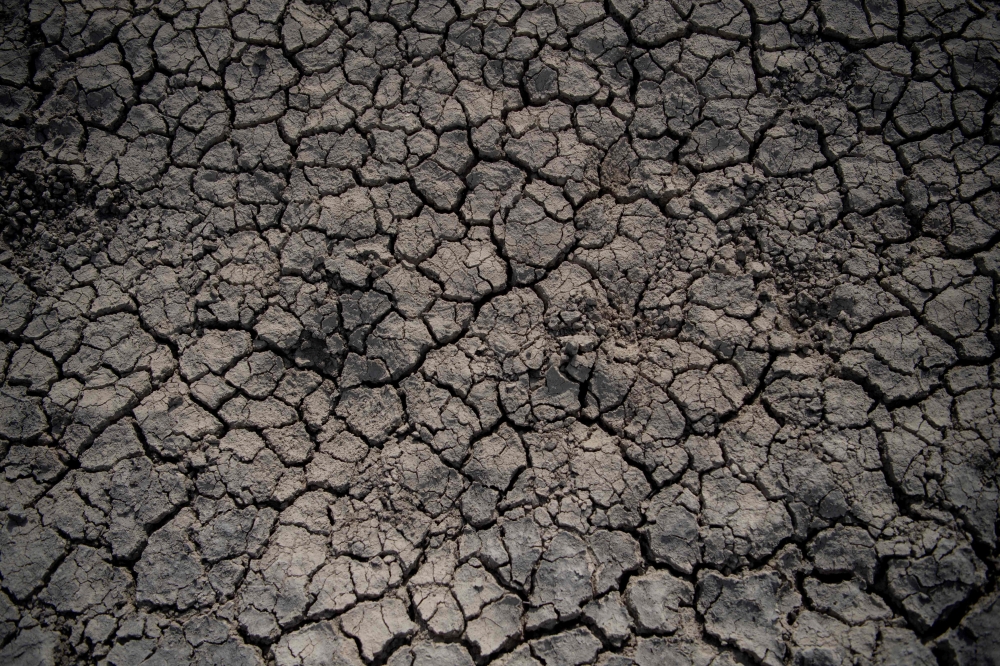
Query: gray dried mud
[(467, 332)]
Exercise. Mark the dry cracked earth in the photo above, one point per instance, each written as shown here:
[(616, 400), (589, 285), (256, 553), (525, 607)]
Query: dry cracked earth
[(455, 332)]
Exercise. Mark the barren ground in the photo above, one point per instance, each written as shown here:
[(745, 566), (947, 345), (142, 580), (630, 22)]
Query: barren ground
[(455, 332)]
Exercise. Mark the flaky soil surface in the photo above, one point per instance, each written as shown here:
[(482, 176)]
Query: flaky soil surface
[(467, 332)]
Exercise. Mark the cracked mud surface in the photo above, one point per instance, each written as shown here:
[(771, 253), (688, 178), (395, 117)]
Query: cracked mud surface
[(457, 332)]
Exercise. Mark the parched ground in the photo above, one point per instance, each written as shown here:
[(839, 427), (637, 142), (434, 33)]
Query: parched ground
[(467, 332)]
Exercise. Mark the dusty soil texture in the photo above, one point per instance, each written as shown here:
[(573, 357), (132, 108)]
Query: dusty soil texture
[(467, 332)]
